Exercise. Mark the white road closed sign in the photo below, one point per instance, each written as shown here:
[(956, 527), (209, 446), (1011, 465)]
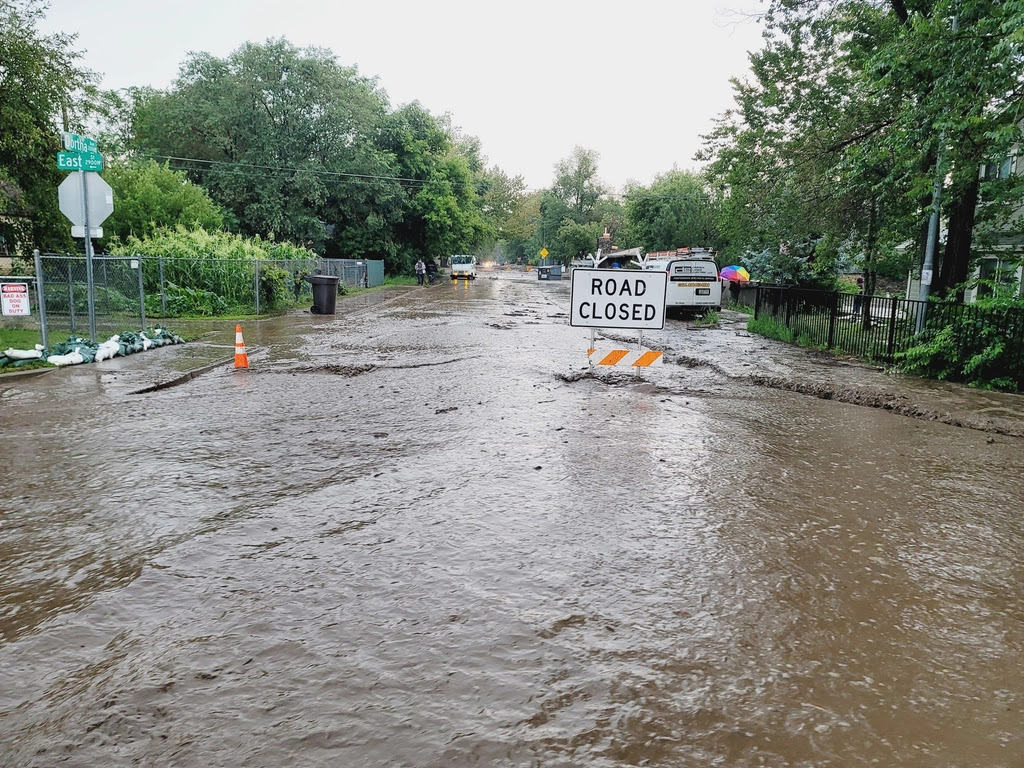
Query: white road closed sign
[(618, 298), (14, 299)]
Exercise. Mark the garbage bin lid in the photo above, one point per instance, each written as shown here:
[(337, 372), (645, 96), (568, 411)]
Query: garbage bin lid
[(321, 279)]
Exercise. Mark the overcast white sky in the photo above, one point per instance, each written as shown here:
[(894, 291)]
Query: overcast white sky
[(637, 81)]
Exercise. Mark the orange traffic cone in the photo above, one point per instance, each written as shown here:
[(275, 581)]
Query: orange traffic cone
[(241, 359)]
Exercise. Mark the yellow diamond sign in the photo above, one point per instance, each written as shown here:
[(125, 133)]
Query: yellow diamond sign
[(543, 253)]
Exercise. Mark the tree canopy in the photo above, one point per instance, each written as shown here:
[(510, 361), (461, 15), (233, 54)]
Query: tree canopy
[(677, 210), (835, 140), (41, 89), (151, 196)]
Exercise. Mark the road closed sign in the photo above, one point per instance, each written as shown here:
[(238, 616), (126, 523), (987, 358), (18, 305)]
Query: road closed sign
[(14, 299), (618, 298)]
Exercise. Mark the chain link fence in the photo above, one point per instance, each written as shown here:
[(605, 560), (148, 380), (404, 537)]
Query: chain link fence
[(131, 292)]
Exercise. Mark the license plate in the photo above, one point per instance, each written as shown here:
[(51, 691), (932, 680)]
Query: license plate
[(703, 291)]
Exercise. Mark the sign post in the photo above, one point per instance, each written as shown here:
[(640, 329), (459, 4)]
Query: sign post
[(86, 200), (88, 259), (619, 298)]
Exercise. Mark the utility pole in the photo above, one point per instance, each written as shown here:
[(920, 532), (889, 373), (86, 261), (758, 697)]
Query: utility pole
[(928, 268)]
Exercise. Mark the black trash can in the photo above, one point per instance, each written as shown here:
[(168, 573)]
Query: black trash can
[(325, 293)]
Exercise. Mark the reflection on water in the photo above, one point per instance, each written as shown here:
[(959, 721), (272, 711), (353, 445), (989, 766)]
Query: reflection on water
[(405, 541)]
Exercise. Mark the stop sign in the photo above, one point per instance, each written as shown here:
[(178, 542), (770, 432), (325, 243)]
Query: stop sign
[(98, 194)]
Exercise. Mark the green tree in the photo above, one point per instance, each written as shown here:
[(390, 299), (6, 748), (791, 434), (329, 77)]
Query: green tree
[(41, 88), (576, 185), (151, 196), (445, 209), (435, 195), (836, 138), (677, 210), (281, 136)]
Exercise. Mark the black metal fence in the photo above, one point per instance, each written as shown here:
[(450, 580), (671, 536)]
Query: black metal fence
[(881, 327)]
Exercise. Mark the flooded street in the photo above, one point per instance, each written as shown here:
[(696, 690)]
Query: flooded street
[(419, 533)]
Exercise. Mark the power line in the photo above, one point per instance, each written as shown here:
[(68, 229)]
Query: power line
[(252, 169)]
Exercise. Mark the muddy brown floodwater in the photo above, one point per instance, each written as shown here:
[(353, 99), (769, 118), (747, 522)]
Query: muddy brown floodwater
[(419, 533)]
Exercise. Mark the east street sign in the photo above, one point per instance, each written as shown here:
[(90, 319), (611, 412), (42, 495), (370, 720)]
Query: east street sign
[(79, 161)]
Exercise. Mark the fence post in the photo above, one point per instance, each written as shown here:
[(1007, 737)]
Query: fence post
[(757, 302), (142, 293), (41, 297), (832, 315), (163, 295), (71, 296), (256, 284), (106, 288), (891, 341)]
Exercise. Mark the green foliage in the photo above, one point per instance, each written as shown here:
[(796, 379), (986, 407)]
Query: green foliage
[(300, 148), (577, 240), (22, 266), (211, 273), (19, 338), (567, 218), (677, 210), (185, 302), (977, 349), (576, 184), (39, 77), (771, 328), (152, 196), (833, 143), (268, 121), (274, 284), (64, 298)]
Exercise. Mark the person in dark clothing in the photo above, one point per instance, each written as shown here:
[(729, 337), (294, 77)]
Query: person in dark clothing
[(734, 291), (857, 298)]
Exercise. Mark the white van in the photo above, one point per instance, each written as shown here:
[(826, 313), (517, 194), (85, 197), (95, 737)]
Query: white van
[(693, 285), (463, 267)]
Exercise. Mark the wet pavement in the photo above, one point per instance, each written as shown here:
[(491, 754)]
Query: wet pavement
[(422, 533)]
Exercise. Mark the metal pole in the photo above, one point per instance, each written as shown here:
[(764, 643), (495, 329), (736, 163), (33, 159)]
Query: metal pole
[(933, 237), (142, 294), (256, 284), (933, 227), (71, 293), (163, 294), (88, 259), (41, 296)]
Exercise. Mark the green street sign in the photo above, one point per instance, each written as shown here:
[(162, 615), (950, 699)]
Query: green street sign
[(79, 161), (75, 143)]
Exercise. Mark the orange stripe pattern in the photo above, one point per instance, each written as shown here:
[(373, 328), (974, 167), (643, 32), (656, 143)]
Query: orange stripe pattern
[(626, 357), (647, 358), (613, 357)]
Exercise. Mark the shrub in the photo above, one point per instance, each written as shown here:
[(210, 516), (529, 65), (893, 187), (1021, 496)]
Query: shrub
[(770, 328), (974, 349), (186, 302)]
